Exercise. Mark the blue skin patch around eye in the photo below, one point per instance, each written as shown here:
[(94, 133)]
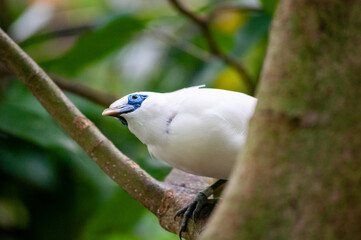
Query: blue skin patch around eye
[(134, 102)]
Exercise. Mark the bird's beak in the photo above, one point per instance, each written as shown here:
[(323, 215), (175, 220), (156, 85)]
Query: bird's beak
[(117, 111)]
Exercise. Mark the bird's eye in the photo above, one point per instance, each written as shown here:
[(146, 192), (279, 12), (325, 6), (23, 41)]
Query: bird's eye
[(134, 97)]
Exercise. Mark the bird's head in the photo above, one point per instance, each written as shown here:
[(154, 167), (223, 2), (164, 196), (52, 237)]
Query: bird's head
[(126, 105)]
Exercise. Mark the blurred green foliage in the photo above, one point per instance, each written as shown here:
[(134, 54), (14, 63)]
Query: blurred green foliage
[(49, 188), (108, 38)]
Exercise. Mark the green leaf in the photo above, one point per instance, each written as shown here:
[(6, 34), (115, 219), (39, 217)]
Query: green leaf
[(94, 46), (26, 119), (148, 228), (116, 216), (177, 71), (253, 61), (269, 6), (251, 34), (26, 162), (43, 131), (13, 213)]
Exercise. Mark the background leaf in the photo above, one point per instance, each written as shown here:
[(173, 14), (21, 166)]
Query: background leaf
[(269, 6), (95, 45)]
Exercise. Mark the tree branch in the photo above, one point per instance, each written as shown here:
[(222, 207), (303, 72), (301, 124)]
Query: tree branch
[(181, 44), (226, 8), (203, 24), (161, 198), (84, 91), (60, 33)]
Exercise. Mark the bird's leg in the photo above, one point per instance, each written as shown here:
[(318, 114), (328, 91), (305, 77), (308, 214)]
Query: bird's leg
[(194, 208)]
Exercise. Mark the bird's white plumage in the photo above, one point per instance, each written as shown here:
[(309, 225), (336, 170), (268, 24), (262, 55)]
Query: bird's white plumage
[(197, 130)]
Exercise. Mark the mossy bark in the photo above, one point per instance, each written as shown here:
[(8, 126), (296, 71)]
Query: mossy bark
[(300, 175)]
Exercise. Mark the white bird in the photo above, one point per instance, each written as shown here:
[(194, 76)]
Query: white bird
[(198, 130)]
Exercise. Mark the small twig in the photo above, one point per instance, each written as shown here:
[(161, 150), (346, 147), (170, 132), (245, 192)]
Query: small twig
[(60, 33), (200, 21), (185, 11), (236, 8), (84, 91), (203, 24), (71, 31), (181, 44)]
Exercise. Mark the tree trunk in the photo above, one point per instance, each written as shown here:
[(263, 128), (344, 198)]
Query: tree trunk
[(300, 175)]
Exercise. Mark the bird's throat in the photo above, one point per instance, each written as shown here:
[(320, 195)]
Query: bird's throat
[(124, 122)]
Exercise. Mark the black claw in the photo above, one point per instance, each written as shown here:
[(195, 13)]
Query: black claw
[(186, 217), (192, 210), (197, 211), (180, 212)]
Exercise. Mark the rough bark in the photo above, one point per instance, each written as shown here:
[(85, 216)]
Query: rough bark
[(161, 198), (299, 176)]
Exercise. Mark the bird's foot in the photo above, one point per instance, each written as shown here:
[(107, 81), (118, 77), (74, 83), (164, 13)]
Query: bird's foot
[(192, 210)]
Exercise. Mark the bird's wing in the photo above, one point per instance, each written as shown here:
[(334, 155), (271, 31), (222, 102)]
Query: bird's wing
[(207, 130), (232, 109)]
